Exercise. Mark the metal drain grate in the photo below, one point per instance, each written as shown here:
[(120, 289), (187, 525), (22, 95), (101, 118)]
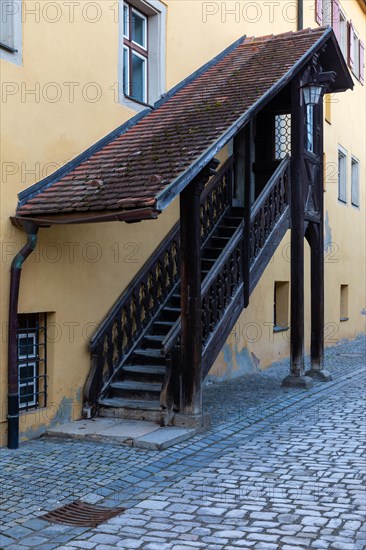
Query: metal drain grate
[(82, 514)]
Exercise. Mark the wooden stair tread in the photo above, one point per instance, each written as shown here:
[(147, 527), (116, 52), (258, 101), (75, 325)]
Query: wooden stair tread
[(145, 369), (149, 352), (137, 386), (123, 403), (154, 337)]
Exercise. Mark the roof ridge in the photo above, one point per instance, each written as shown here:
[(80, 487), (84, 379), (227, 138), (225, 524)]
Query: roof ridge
[(284, 35)]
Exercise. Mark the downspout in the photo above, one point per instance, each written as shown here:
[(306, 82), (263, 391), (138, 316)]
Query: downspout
[(300, 15), (31, 230)]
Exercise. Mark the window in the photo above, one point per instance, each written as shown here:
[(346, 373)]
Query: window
[(330, 12), (11, 30), (342, 175), (328, 107), (32, 360), (310, 128), (142, 58), (282, 135), (324, 171), (344, 303), (281, 306), (355, 199), (327, 9), (135, 54), (356, 53), (342, 32)]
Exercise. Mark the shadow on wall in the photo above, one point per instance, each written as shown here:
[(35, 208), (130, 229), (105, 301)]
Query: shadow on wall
[(233, 364)]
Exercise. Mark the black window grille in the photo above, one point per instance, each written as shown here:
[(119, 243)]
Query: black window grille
[(32, 360), (282, 135)]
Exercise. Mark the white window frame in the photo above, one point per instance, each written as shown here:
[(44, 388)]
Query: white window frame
[(11, 50), (26, 364), (355, 182), (342, 153), (343, 39), (327, 12), (31, 402), (140, 14), (146, 64), (28, 335), (156, 13)]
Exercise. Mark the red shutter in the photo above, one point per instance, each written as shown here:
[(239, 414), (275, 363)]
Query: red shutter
[(362, 62), (350, 38), (335, 18), (318, 11)]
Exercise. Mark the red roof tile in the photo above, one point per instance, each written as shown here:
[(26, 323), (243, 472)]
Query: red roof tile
[(135, 168)]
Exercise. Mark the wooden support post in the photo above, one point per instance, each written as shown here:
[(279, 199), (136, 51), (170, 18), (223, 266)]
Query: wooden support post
[(316, 241), (317, 370), (296, 377), (191, 316)]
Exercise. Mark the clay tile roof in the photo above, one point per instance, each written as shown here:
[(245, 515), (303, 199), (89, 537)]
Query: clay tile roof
[(145, 164)]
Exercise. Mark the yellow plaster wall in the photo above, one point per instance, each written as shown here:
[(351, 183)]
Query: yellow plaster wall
[(345, 231), (40, 132)]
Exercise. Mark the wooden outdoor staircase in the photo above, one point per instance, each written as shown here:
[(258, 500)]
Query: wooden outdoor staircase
[(136, 350)]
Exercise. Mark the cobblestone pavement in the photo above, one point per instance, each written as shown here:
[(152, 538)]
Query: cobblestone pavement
[(278, 470)]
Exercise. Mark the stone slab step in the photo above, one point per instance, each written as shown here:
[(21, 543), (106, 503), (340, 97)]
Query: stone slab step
[(135, 433), (163, 438), (105, 429), (133, 409)]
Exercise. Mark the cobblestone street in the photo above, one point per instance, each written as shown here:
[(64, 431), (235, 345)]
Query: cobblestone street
[(279, 469)]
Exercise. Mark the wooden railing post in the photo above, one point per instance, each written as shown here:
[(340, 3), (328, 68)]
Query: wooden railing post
[(191, 318), (248, 184)]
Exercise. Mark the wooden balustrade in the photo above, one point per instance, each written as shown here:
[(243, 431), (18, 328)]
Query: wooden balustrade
[(124, 326)]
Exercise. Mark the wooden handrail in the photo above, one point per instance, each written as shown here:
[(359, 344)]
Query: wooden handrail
[(268, 187), (213, 181)]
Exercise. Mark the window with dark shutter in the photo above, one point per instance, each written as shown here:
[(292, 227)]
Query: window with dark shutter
[(342, 175), (350, 36), (355, 185)]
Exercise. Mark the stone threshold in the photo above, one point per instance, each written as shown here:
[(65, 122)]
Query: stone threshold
[(134, 433)]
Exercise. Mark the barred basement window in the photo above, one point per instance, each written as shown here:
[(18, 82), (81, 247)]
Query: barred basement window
[(282, 136), (32, 360)]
